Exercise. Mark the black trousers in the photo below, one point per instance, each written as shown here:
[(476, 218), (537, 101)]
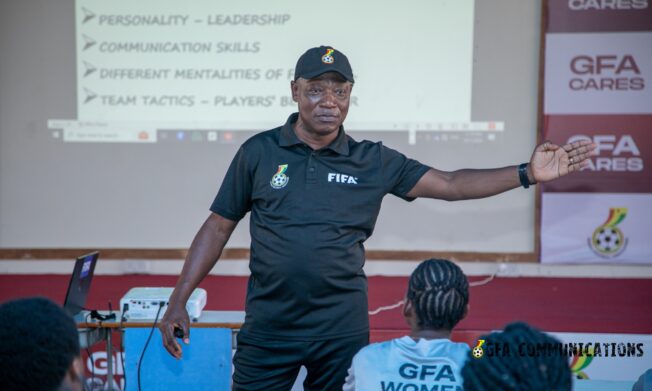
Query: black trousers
[(274, 365)]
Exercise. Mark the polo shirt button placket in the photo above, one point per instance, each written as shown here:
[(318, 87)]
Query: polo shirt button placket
[(311, 174)]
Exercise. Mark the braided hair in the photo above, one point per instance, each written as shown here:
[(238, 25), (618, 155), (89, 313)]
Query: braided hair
[(38, 343), (439, 292), (514, 372)]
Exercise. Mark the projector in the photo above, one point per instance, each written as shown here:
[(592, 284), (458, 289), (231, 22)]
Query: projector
[(144, 303)]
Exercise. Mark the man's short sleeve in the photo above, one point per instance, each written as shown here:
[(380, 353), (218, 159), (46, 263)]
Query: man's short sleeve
[(233, 200), (400, 173)]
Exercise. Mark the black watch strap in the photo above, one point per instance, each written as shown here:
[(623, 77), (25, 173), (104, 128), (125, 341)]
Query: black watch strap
[(522, 175)]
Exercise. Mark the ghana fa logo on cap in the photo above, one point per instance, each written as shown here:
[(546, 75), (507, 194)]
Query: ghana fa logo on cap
[(280, 180), (478, 351), (608, 240), (328, 57)]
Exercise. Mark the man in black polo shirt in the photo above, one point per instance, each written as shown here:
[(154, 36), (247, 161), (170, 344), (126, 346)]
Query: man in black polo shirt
[(314, 195)]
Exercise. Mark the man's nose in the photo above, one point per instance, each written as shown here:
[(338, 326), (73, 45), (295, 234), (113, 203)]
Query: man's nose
[(328, 99)]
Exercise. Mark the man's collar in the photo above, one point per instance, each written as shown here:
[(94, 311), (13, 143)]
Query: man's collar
[(287, 138)]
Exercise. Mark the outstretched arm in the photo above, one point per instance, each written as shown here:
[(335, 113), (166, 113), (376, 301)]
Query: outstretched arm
[(204, 252), (548, 162)]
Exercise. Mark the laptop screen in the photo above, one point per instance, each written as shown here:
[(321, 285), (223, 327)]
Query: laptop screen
[(80, 283)]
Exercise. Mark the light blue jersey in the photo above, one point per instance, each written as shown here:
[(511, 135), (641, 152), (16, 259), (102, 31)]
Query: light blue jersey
[(404, 364)]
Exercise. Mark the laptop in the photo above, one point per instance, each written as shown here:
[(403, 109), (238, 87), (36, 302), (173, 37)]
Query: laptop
[(80, 283)]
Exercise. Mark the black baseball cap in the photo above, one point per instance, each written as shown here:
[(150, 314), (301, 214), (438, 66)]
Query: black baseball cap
[(320, 60)]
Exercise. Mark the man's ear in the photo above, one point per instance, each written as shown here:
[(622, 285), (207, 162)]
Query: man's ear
[(77, 369), (74, 379), (294, 86)]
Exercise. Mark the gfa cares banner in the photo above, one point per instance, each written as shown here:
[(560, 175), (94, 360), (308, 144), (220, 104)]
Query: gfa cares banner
[(598, 87)]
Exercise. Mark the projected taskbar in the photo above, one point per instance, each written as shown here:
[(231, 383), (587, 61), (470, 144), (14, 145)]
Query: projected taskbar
[(225, 132)]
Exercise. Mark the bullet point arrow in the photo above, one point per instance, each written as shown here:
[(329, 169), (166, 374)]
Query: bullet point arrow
[(90, 68), (88, 41), (88, 15), (90, 95)]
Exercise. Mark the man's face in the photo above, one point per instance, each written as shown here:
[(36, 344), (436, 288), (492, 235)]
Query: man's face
[(323, 102)]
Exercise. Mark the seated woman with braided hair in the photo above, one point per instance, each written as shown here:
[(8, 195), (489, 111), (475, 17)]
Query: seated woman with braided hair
[(437, 299)]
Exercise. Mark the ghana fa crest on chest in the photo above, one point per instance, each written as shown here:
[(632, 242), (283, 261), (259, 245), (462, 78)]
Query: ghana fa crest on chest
[(280, 180)]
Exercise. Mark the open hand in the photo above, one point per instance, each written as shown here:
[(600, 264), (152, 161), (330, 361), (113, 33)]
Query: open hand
[(550, 161)]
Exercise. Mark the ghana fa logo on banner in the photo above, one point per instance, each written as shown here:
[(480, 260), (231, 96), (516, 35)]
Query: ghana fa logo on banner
[(580, 362), (608, 240)]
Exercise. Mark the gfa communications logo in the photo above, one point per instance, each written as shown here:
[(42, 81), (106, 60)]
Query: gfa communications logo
[(608, 240), (478, 351)]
